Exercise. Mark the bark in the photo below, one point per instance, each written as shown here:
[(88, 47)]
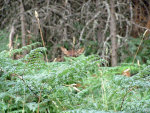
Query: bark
[(23, 25), (113, 34), (34, 29), (11, 36)]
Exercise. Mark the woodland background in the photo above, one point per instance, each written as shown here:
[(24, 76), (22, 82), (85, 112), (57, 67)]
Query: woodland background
[(112, 29), (74, 56)]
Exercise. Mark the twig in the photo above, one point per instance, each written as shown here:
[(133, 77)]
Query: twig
[(39, 102), (36, 15), (125, 97), (139, 45), (21, 78), (95, 16), (108, 18)]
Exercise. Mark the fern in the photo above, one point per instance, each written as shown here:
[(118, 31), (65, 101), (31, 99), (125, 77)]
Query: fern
[(77, 85)]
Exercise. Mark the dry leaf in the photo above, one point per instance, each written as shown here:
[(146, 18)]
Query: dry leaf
[(126, 73), (138, 62), (58, 59), (36, 14), (19, 56), (94, 75), (76, 89), (77, 85), (74, 86)]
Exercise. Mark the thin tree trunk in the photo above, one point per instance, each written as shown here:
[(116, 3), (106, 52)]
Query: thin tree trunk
[(11, 37), (23, 25), (113, 34)]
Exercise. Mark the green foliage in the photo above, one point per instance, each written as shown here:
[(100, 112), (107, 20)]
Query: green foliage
[(131, 47), (4, 40), (92, 47), (77, 85)]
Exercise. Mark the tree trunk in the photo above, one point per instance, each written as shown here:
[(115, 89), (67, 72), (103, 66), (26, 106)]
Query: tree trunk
[(113, 34), (11, 36), (23, 25)]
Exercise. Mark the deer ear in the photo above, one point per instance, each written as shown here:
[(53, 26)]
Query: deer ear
[(80, 51), (64, 50)]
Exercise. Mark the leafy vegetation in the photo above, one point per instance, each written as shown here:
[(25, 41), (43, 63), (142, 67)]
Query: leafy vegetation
[(77, 85), (83, 84), (130, 48), (3, 40)]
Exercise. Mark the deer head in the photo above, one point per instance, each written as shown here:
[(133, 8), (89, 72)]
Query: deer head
[(72, 53)]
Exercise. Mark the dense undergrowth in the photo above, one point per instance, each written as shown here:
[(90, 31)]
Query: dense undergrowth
[(77, 85)]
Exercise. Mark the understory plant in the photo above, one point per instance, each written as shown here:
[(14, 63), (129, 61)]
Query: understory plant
[(76, 85)]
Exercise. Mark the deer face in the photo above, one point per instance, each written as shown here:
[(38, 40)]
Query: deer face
[(72, 53)]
